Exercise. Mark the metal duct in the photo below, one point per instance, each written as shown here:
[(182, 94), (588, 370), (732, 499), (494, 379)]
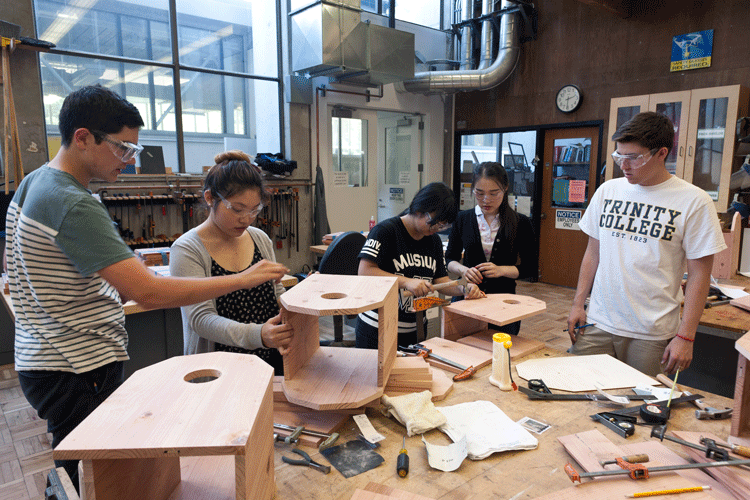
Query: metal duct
[(485, 46), (481, 79), (466, 14)]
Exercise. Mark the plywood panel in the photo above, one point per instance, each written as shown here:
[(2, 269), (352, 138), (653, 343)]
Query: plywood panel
[(304, 343), (465, 355), (387, 335), (336, 295)]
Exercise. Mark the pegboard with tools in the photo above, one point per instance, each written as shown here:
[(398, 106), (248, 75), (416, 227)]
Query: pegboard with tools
[(153, 214), (280, 218)]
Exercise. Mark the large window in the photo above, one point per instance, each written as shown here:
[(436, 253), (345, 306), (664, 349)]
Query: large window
[(423, 13), (225, 65)]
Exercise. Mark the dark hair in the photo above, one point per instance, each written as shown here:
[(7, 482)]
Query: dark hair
[(233, 173), (434, 197), (649, 129), (97, 109), (508, 217)]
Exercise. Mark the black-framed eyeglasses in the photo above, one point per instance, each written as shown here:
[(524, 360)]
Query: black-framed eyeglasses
[(238, 211), (441, 226), (125, 151)]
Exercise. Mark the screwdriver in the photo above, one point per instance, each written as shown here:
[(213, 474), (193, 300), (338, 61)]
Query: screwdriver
[(402, 464)]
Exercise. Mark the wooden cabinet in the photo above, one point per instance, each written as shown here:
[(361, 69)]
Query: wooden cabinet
[(705, 122)]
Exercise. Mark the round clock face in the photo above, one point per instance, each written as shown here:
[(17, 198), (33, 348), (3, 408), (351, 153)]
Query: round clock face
[(568, 98)]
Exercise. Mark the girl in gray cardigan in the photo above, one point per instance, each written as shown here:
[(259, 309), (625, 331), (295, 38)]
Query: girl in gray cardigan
[(245, 321)]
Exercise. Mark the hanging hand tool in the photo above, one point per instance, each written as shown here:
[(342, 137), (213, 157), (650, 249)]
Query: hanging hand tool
[(306, 460), (738, 449), (425, 352), (330, 439), (402, 464), (640, 471), (296, 216)]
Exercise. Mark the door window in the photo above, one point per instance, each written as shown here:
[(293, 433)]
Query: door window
[(570, 172), (349, 138)]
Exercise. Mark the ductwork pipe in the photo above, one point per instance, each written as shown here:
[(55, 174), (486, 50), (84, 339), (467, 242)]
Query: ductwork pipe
[(481, 79), (467, 13), (485, 48)]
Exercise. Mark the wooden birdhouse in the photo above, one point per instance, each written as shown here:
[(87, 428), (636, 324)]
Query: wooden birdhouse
[(190, 427), (332, 378)]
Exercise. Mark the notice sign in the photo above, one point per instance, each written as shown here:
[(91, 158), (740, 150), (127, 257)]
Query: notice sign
[(567, 219), (577, 191), (397, 194), (341, 179), (692, 51)]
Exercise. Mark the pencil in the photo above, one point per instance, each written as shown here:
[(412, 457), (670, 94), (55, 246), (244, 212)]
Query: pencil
[(581, 326), (674, 384), (668, 492)]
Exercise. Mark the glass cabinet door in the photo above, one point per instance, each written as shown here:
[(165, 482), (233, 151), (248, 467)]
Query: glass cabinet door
[(711, 141), (676, 107), (621, 109)]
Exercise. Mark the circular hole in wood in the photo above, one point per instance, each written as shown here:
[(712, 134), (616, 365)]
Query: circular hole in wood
[(333, 295), (202, 376), (512, 301)]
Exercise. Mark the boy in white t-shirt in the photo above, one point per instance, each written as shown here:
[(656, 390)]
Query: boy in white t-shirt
[(644, 229)]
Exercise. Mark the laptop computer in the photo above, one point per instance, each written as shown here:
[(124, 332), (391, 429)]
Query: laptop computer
[(152, 160)]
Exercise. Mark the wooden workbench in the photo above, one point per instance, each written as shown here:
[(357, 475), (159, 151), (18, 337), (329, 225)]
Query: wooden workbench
[(518, 475)]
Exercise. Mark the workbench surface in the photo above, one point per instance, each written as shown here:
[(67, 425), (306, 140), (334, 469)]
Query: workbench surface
[(517, 475)]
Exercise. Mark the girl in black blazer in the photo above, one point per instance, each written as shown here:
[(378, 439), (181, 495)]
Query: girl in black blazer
[(498, 243)]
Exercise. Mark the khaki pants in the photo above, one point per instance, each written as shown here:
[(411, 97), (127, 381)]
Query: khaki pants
[(643, 355)]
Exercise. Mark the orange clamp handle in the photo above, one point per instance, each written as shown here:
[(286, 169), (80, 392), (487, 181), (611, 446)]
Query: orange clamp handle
[(637, 471), (467, 373), (572, 474)]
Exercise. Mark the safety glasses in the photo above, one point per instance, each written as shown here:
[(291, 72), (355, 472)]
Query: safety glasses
[(238, 211), (125, 151), (633, 160)]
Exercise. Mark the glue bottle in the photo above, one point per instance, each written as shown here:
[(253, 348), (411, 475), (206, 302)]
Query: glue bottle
[(500, 377), (372, 222)]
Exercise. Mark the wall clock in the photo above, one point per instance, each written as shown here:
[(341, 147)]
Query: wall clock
[(568, 98)]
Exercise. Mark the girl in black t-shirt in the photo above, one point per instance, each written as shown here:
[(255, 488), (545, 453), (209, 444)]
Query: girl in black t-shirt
[(408, 247)]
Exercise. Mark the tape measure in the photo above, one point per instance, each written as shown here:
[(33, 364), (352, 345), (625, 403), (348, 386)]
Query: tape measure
[(654, 413)]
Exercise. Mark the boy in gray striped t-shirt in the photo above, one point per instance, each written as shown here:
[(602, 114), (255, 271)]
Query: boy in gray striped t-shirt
[(69, 270)]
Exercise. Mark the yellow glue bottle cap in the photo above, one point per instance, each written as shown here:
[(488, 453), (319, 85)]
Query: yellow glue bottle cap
[(503, 338)]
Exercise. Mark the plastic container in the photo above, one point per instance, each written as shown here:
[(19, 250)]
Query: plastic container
[(372, 222), (500, 377)]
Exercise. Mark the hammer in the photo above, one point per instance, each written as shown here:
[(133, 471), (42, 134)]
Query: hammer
[(704, 412)]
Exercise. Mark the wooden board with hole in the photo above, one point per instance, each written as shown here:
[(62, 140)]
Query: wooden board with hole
[(466, 317), (131, 445)]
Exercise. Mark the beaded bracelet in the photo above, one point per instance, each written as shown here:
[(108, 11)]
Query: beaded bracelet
[(685, 338)]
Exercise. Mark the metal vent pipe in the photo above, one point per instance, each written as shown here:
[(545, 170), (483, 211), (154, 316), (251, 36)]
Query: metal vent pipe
[(480, 79), (485, 47), (467, 12)]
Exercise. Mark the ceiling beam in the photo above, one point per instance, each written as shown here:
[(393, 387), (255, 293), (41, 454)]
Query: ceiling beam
[(618, 7)]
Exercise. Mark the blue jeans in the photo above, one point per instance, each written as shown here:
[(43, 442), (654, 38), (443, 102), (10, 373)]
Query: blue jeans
[(65, 399)]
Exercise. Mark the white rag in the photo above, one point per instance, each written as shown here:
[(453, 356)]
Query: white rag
[(486, 427), (415, 411)]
